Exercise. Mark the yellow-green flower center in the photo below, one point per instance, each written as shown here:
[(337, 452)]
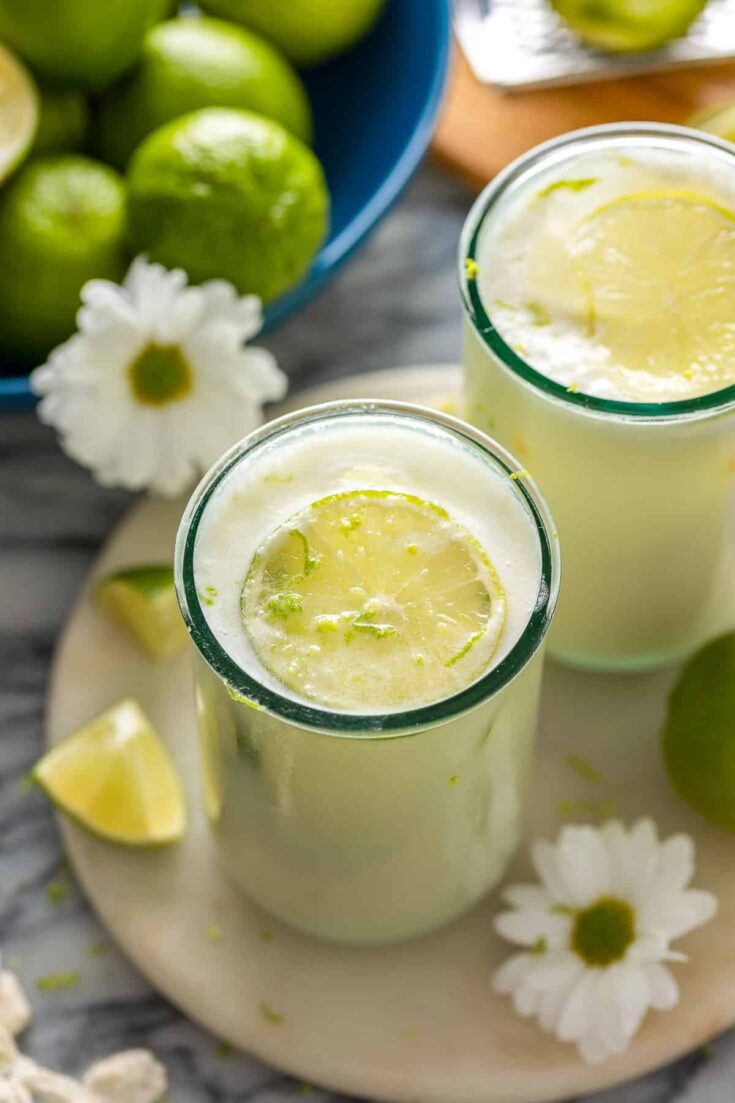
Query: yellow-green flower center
[(160, 374), (603, 932)]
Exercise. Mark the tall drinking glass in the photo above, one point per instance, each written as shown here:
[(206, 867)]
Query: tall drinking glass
[(364, 827), (642, 491)]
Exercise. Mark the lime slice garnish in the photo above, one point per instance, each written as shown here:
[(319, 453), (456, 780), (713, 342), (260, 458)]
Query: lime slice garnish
[(18, 111), (658, 271), (143, 600), (699, 734), (115, 777), (372, 600)]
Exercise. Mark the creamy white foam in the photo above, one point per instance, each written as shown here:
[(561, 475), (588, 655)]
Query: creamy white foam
[(377, 452), (532, 292)]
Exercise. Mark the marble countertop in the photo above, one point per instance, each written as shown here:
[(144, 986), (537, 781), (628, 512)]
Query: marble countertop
[(396, 304)]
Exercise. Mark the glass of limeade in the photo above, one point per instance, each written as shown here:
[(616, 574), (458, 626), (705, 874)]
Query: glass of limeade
[(598, 280), (368, 588)]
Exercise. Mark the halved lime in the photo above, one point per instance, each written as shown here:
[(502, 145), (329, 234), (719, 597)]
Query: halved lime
[(659, 273), (699, 734), (19, 111), (143, 600), (116, 778), (373, 599)]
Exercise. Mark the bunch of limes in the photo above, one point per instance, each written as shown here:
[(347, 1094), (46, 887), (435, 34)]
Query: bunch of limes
[(127, 128)]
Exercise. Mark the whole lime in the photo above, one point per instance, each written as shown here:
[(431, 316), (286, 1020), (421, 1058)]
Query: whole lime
[(81, 42), (308, 31), (225, 193), (62, 127), (719, 120), (629, 26), (189, 63), (62, 222), (699, 734)]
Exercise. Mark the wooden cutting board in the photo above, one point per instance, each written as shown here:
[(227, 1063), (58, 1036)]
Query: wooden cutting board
[(481, 130)]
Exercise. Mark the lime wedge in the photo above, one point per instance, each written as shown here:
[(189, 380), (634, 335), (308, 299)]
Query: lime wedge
[(373, 599), (719, 120), (19, 112), (699, 734), (115, 777), (143, 600), (658, 269)]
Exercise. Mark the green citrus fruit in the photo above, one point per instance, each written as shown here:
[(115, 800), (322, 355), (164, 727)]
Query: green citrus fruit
[(64, 119), (628, 26), (61, 224), (308, 31), (115, 777), (699, 734), (19, 111), (192, 63), (718, 120), (373, 597), (84, 42), (224, 193), (143, 601)]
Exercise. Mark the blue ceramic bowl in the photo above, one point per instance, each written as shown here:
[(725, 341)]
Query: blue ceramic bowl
[(374, 110)]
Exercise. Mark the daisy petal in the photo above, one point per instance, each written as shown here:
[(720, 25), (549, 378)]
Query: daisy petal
[(531, 897), (512, 973), (691, 909), (583, 865), (526, 928), (663, 991), (575, 1014)]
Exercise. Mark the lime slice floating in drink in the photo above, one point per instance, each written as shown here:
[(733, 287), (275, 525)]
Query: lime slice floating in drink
[(658, 270), (143, 600), (19, 111), (115, 777), (373, 600)]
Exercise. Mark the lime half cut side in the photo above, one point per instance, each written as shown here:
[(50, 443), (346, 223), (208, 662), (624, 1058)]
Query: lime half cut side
[(19, 111), (658, 270), (373, 600), (143, 600), (115, 777)]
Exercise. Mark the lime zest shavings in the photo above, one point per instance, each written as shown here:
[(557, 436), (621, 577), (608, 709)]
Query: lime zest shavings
[(539, 314), (284, 604), (311, 560), (57, 891), (275, 1018), (465, 649), (471, 268), (57, 982), (584, 769), (520, 475), (567, 185)]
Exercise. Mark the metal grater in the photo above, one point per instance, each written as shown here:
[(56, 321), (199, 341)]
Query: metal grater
[(522, 44)]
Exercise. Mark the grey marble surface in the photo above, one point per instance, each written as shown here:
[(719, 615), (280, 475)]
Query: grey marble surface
[(396, 304)]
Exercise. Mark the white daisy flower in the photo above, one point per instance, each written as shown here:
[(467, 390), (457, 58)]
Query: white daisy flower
[(156, 383), (597, 931)]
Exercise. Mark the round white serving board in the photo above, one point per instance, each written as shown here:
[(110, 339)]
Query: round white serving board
[(415, 1023)]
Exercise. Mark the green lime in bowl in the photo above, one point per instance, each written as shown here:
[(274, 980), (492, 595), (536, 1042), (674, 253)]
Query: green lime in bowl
[(190, 63), (230, 195)]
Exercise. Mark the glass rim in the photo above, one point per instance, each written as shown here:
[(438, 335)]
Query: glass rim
[(351, 725), (707, 405)]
